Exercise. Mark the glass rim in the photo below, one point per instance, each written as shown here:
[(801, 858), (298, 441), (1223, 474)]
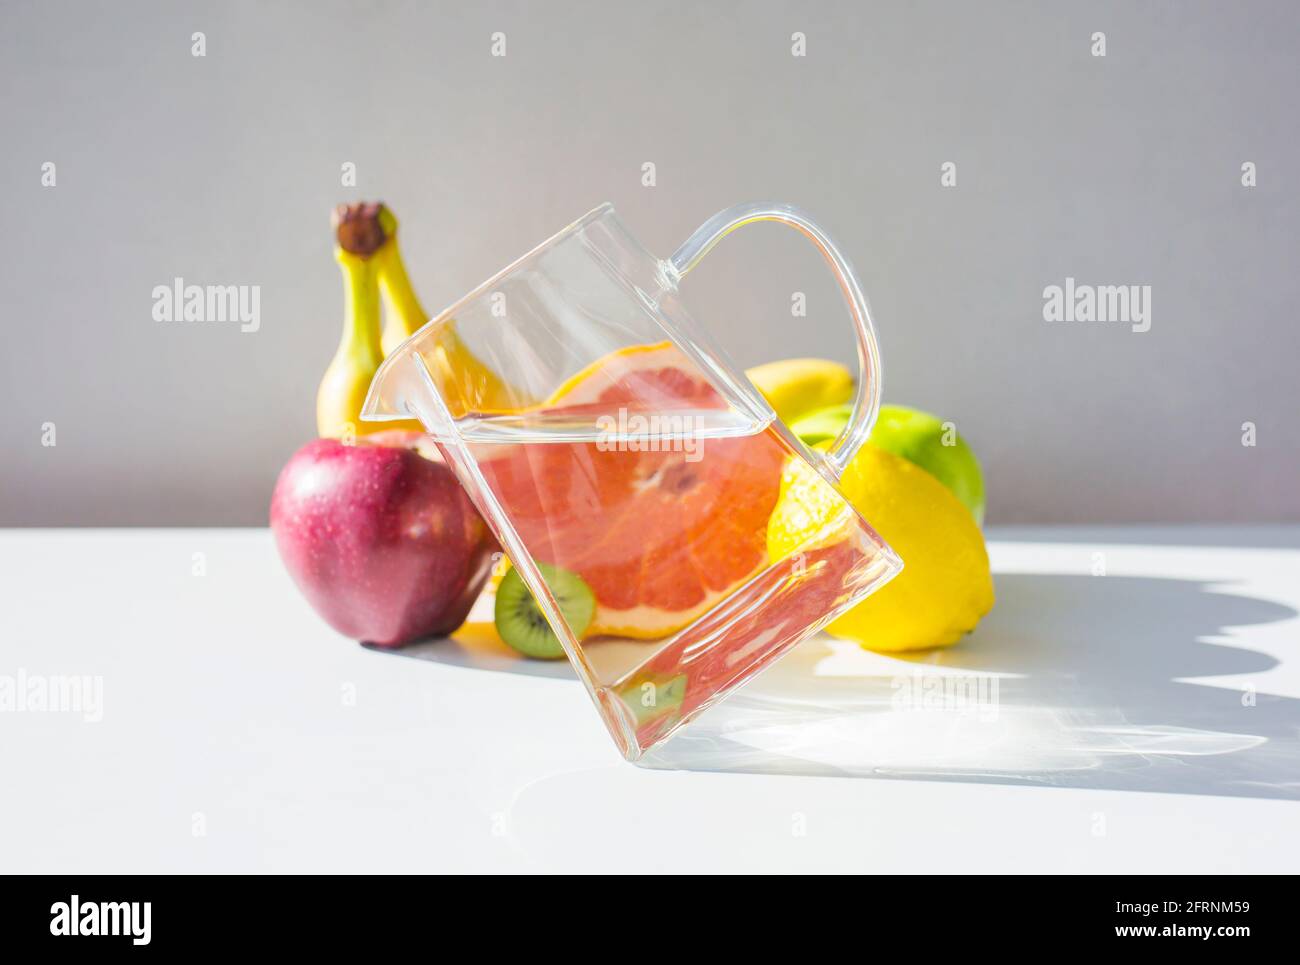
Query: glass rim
[(573, 227)]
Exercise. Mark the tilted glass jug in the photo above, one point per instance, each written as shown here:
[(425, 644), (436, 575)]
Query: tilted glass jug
[(631, 474)]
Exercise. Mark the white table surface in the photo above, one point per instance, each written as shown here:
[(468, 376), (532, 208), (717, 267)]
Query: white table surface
[(1147, 719)]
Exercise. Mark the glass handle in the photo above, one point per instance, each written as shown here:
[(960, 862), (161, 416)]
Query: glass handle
[(867, 403)]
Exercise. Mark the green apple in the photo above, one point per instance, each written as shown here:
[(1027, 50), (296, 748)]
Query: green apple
[(918, 437)]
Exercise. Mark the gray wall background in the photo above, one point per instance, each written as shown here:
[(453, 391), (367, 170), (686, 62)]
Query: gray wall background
[(222, 170)]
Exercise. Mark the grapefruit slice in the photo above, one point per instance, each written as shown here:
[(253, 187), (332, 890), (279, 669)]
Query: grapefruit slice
[(659, 536)]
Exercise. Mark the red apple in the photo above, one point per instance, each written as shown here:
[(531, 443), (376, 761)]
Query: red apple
[(381, 540)]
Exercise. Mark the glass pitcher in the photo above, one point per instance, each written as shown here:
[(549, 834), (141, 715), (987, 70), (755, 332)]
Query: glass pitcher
[(633, 475)]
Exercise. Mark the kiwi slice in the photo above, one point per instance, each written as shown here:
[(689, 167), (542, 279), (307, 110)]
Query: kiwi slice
[(520, 620), (650, 698)]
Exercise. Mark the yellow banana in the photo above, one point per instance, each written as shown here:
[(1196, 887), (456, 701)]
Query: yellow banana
[(405, 315), (468, 384), (347, 379), (797, 387)]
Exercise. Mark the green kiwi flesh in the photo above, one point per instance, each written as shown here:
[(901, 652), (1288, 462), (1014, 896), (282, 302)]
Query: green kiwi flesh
[(520, 621)]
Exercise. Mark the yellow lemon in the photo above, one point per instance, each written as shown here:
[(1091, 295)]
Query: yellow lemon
[(809, 513), (945, 586)]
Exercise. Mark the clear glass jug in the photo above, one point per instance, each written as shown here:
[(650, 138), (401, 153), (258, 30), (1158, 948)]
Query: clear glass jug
[(630, 472)]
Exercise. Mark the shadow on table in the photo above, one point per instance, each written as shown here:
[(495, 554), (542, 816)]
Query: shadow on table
[(1071, 681)]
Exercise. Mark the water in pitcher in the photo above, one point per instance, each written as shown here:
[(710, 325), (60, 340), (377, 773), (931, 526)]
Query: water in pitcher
[(658, 498)]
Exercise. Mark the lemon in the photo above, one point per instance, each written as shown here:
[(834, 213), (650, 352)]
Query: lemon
[(945, 586), (809, 513)]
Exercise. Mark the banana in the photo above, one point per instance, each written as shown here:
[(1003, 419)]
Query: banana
[(343, 388), (467, 383), (405, 315), (798, 387)]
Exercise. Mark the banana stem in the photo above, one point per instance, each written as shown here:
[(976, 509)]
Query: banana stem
[(397, 288), (360, 343)]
